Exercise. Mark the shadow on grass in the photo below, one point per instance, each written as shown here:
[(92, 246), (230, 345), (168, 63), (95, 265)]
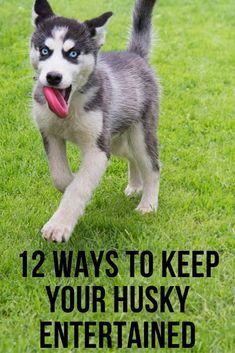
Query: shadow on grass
[(112, 223)]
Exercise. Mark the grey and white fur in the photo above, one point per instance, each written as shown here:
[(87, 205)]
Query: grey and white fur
[(113, 100)]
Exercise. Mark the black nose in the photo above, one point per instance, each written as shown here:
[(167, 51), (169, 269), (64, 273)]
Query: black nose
[(54, 78)]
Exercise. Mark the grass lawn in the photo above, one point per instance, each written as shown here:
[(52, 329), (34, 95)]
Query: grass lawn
[(194, 55)]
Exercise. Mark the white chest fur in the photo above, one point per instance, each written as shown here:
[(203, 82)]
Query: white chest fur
[(80, 127)]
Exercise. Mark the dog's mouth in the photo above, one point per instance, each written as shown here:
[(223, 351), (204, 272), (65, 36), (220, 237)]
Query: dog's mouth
[(57, 100)]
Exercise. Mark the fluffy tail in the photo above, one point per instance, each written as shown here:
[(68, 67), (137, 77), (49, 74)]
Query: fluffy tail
[(140, 40)]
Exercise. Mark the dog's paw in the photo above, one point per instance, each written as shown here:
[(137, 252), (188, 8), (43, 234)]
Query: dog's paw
[(55, 230), (145, 208), (133, 189)]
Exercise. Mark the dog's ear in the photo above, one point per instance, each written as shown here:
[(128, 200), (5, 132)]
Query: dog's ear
[(96, 27), (41, 11)]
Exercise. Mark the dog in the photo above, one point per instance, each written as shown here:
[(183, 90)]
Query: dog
[(106, 103)]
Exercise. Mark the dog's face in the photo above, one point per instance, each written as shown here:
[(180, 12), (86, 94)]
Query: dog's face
[(63, 51)]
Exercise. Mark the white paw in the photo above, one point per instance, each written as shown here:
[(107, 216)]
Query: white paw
[(56, 230), (133, 189), (146, 208)]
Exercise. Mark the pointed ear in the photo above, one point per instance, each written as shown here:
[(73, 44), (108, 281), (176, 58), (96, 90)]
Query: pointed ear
[(41, 11), (96, 27)]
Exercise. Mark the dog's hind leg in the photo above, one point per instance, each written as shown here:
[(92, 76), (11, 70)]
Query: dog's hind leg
[(121, 147), (57, 159), (144, 149), (135, 183)]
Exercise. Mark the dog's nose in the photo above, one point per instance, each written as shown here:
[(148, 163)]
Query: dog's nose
[(54, 78)]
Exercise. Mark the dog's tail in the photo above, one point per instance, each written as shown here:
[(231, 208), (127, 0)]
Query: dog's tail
[(140, 39)]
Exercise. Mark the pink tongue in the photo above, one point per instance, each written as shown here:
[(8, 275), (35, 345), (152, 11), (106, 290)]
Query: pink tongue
[(56, 101)]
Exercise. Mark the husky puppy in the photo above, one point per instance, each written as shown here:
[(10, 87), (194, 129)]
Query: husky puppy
[(103, 102)]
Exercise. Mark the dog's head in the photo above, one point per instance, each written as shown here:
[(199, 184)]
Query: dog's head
[(63, 51)]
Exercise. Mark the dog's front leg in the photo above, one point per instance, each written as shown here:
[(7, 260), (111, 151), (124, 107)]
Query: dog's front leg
[(76, 196), (57, 159)]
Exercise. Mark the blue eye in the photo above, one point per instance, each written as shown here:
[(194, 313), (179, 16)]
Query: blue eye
[(73, 54), (44, 51)]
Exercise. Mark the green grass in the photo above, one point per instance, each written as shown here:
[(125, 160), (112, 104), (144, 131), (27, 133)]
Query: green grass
[(194, 57)]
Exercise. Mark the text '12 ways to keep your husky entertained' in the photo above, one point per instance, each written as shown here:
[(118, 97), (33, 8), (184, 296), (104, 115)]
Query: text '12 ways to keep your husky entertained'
[(135, 298)]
